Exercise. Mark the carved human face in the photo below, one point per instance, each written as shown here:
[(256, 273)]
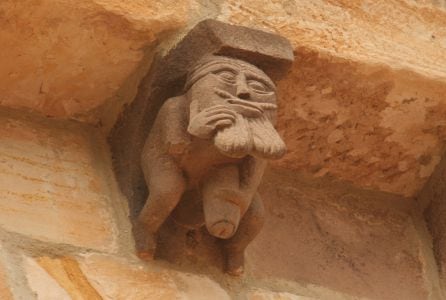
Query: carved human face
[(246, 90), (218, 79)]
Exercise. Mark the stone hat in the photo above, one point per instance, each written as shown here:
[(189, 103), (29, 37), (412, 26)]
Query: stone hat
[(271, 53), (208, 61)]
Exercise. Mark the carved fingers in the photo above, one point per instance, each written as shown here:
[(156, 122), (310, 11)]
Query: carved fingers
[(208, 120)]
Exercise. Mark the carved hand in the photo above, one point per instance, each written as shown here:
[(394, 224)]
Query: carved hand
[(208, 120)]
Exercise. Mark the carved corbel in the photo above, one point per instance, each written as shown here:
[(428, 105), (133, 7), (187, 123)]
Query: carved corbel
[(202, 131)]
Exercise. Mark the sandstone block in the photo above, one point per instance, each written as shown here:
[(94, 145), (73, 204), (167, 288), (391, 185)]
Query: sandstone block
[(360, 31), (365, 66), (41, 282), (107, 277), (199, 287), (334, 236), (53, 186), (118, 278), (355, 74), (5, 290), (374, 121), (66, 59), (268, 295), (433, 201)]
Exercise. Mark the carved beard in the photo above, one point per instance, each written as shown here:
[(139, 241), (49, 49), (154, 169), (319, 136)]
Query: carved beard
[(255, 136)]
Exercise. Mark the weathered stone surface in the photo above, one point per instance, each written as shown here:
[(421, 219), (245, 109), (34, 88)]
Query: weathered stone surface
[(364, 103), (357, 39), (53, 183), (398, 33), (268, 295), (430, 3), (372, 126), (432, 199), (199, 287), (331, 235), (346, 111), (41, 283), (106, 277), (67, 58), (5, 291), (118, 278)]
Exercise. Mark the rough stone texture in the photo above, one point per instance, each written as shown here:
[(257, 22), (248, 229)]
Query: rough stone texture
[(398, 33), (41, 283), (106, 277), (362, 40), (5, 291), (52, 180), (120, 279), (364, 103), (65, 58), (431, 3), (372, 126), (195, 287), (268, 295), (433, 200), (54, 77), (324, 233), (335, 236), (348, 108)]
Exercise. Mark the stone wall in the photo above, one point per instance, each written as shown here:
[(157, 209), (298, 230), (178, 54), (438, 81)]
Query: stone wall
[(362, 112), (64, 231)]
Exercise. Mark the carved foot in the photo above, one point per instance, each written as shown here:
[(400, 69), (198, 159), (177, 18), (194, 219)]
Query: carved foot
[(145, 242), (235, 263)]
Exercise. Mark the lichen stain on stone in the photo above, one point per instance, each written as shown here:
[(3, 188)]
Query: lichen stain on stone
[(67, 273), (361, 123)]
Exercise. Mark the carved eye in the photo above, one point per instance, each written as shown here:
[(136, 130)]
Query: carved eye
[(226, 75), (258, 86)]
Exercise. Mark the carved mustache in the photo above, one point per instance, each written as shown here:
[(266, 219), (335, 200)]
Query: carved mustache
[(252, 133), (248, 109)]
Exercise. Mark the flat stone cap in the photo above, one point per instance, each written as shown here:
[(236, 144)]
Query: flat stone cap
[(270, 52)]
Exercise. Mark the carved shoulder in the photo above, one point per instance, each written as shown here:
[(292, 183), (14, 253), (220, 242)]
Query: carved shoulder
[(173, 118)]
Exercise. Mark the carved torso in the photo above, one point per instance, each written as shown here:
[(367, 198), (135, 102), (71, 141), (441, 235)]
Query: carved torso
[(196, 157), (200, 158)]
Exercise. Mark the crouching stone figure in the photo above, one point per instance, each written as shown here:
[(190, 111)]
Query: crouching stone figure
[(205, 157)]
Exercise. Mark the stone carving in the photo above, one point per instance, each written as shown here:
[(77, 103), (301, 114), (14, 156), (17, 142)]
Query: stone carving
[(205, 156)]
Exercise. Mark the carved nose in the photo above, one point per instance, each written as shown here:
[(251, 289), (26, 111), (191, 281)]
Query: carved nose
[(243, 95), (242, 88)]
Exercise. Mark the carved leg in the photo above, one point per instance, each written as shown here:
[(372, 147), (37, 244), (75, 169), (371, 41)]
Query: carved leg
[(166, 186), (250, 226)]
